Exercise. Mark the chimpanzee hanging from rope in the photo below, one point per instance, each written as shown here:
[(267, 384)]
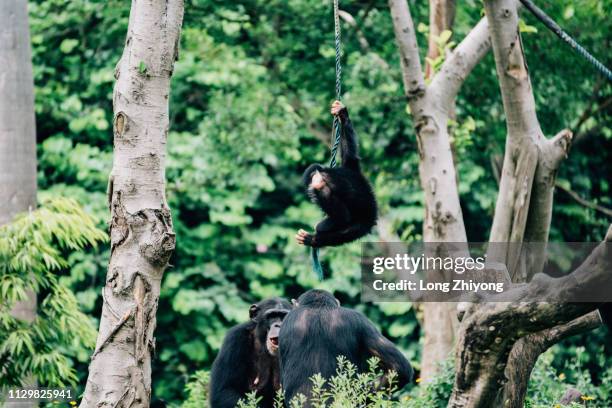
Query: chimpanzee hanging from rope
[(343, 193)]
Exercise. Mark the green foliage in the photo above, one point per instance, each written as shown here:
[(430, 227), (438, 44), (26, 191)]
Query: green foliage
[(525, 28), (196, 390), (436, 392), (33, 250), (444, 46), (548, 384), (348, 388)]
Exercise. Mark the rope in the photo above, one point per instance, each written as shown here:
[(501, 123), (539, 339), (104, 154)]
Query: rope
[(555, 28), (337, 127)]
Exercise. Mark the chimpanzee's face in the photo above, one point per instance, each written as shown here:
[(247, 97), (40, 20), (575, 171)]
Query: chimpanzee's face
[(269, 320), (317, 182), (272, 336)]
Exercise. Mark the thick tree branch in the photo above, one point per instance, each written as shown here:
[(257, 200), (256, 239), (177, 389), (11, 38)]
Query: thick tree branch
[(490, 331), (460, 63), (523, 131), (526, 351), (550, 154)]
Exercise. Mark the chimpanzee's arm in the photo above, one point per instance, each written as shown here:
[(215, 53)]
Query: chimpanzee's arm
[(348, 142), (339, 237), (390, 357), (230, 372)]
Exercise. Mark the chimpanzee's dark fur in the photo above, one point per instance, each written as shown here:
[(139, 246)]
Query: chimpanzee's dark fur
[(318, 330), (346, 198), (244, 364)]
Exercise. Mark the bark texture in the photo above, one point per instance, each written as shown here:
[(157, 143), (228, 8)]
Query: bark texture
[(491, 331), (142, 238), (430, 108), (17, 124), (525, 353), (499, 375), (17, 131), (523, 130)]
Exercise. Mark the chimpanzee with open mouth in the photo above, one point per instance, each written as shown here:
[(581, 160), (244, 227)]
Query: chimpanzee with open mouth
[(248, 358)]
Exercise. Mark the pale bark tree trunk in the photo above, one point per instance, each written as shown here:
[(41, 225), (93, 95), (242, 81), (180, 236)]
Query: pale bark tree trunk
[(531, 160), (17, 129), (142, 238), (494, 370), (430, 108)]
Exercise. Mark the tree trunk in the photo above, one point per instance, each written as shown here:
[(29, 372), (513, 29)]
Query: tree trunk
[(494, 369), (17, 129), (430, 109), (490, 333), (523, 134), (17, 123), (142, 238)]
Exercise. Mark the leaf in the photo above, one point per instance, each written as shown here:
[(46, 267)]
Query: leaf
[(524, 28), (445, 36), (68, 45), (142, 67), (195, 350)]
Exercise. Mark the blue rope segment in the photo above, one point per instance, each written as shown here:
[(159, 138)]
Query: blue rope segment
[(337, 127), (555, 28)]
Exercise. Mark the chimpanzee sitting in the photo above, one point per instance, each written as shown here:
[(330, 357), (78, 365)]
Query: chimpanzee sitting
[(248, 358), (318, 330)]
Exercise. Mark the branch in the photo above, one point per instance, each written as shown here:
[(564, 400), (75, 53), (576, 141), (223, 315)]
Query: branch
[(412, 75), (601, 107), (524, 133), (512, 71), (460, 63), (489, 332), (583, 201), (526, 351), (348, 18), (550, 154), (587, 113)]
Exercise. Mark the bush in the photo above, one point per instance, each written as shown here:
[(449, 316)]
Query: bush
[(348, 388), (33, 250)]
